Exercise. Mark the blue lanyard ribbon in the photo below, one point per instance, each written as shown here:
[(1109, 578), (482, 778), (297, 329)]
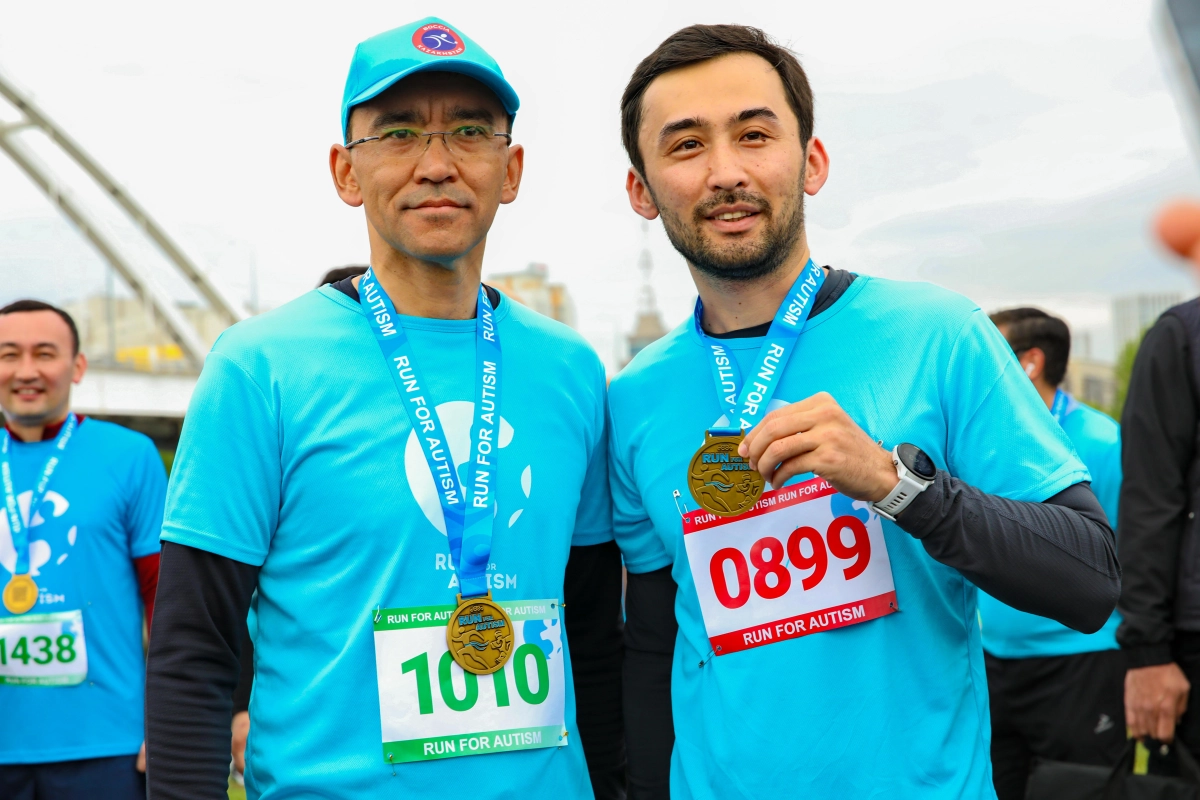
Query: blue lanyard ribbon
[(19, 531), (468, 515), (1060, 407), (746, 405)]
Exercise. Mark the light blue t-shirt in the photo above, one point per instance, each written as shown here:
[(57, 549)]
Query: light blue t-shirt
[(1008, 633), (296, 456), (103, 509), (896, 707)]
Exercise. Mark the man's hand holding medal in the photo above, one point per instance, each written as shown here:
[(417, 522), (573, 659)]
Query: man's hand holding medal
[(816, 435)]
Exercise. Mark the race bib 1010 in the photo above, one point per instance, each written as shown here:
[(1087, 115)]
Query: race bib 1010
[(43, 649), (431, 708), (802, 560)]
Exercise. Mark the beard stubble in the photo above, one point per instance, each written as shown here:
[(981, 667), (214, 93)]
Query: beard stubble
[(739, 261)]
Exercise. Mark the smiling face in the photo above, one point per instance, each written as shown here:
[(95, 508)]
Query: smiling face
[(725, 166), (438, 205), (38, 364)]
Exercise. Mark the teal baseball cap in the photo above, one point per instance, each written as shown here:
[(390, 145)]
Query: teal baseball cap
[(429, 45)]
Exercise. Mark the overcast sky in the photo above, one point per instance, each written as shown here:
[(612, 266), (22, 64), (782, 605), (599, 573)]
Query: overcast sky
[(1010, 151)]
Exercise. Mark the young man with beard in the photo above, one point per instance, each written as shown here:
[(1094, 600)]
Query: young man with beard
[(82, 512), (397, 468), (827, 641)]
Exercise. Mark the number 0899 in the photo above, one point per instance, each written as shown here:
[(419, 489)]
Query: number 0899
[(803, 560), (767, 557)]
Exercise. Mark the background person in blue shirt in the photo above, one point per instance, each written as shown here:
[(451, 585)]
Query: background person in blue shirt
[(300, 481), (72, 669), (718, 125), (1055, 693)]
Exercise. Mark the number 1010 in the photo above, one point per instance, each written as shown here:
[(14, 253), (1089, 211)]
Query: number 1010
[(420, 666)]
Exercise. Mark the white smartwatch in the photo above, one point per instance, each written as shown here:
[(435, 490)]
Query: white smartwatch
[(915, 471)]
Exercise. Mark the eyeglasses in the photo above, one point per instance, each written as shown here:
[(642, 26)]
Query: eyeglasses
[(469, 141)]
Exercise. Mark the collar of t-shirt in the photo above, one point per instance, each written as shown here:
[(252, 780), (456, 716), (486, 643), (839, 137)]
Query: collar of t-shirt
[(346, 287), (836, 284), (49, 432)]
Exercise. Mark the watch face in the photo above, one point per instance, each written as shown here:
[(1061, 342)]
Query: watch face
[(915, 461)]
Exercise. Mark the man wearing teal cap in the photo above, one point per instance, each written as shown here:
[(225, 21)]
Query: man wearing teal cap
[(401, 476)]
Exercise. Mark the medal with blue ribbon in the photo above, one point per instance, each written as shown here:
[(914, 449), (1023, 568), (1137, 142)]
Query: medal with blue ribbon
[(479, 635), (720, 480), (21, 592)]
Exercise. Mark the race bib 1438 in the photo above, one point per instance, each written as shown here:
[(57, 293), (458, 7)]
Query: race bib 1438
[(802, 560), (431, 708), (43, 649)]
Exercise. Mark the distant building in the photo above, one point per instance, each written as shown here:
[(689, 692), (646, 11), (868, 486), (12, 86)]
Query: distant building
[(1133, 313), (1091, 381), (531, 287), (648, 325), (122, 332)]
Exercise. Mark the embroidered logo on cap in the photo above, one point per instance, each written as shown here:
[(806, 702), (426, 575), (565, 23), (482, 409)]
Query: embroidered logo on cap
[(438, 40)]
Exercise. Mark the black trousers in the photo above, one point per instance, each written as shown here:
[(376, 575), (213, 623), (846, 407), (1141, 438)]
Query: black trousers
[(113, 778), (1063, 708)]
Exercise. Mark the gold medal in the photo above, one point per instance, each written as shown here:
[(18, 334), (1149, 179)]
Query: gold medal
[(479, 635), (721, 481), (21, 594)]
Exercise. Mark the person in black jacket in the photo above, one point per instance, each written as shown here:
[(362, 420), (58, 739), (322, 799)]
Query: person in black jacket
[(1159, 550)]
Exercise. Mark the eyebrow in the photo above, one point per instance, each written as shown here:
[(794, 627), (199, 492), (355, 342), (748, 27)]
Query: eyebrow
[(36, 345), (754, 113), (406, 117), (463, 114), (414, 117), (672, 128)]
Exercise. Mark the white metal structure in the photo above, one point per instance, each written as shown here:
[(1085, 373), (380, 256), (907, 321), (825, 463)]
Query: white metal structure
[(123, 393), (139, 280)]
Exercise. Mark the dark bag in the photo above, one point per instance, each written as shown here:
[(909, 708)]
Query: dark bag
[(1058, 780)]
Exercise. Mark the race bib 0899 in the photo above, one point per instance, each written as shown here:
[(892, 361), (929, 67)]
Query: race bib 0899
[(803, 560), (431, 708), (43, 649)]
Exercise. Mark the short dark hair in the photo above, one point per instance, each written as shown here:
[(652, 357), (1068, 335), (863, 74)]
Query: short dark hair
[(21, 306), (1032, 327), (697, 43), (341, 273)]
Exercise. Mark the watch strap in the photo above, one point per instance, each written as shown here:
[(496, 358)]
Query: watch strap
[(908, 486)]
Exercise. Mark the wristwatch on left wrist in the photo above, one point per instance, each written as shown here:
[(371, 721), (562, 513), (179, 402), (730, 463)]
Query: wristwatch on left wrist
[(915, 472)]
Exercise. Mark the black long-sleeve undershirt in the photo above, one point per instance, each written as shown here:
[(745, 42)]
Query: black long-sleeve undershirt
[(650, 630), (191, 671), (1056, 559), (241, 693), (196, 658), (592, 589)]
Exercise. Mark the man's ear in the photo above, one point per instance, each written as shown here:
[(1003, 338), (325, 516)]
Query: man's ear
[(1033, 361), (513, 173), (640, 199), (816, 166), (344, 179), (80, 368)]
